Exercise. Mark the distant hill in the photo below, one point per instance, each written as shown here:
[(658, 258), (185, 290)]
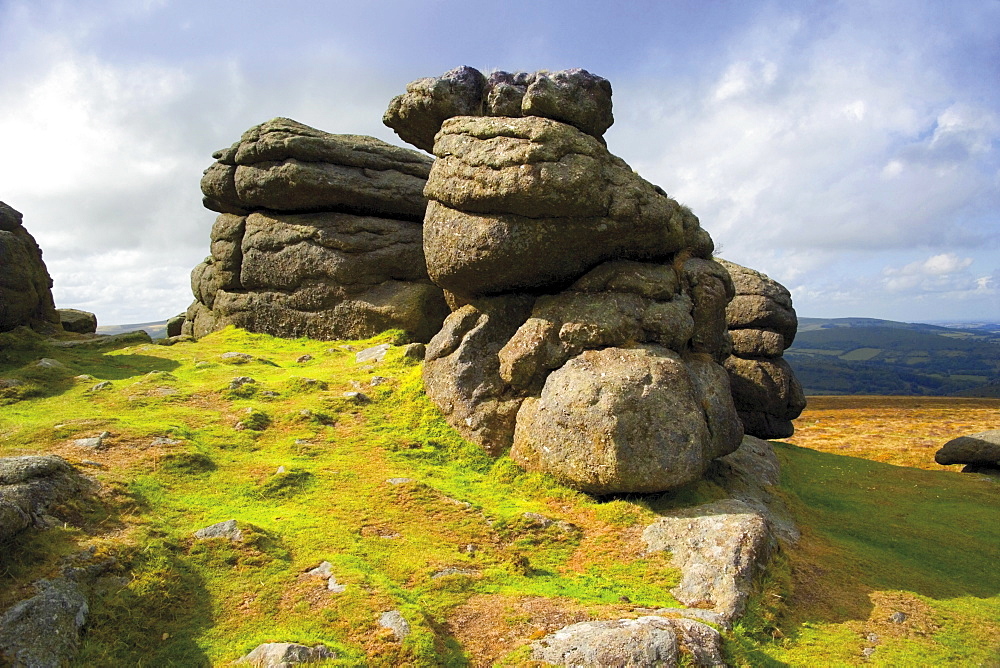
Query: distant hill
[(871, 356), (156, 330)]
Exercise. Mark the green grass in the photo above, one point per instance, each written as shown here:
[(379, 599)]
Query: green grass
[(305, 471)]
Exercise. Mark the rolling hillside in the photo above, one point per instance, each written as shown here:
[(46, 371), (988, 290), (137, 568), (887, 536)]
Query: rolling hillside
[(870, 356)]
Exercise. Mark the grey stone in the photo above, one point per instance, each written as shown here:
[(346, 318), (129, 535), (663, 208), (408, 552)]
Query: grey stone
[(898, 617), (103, 385), (414, 351), (395, 622), (161, 441), (74, 320), (530, 203), (977, 449), (228, 529), (720, 548), (285, 655), (573, 96), (627, 420), (373, 354), (239, 381), (399, 481), (175, 325), (44, 631), (236, 358), (284, 165), (646, 641), (49, 363), (30, 485)]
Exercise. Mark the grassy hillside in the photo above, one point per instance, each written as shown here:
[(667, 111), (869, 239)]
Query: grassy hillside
[(415, 519), (866, 356)]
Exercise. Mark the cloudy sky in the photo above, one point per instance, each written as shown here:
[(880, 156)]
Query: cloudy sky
[(851, 150)]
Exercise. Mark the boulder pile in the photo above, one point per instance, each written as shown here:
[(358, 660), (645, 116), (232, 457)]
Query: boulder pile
[(588, 324), (762, 324), (25, 285), (319, 235)]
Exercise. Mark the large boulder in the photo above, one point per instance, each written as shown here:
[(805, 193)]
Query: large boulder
[(762, 324), (25, 285), (75, 320), (528, 204), (575, 97), (319, 236), (982, 449), (44, 630)]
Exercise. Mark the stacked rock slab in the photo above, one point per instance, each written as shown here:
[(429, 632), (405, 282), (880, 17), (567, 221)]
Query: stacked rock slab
[(318, 235), (25, 285), (588, 324), (762, 324)]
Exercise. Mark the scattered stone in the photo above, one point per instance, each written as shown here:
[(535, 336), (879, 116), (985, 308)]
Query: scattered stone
[(93, 442), (285, 655), (698, 614), (395, 622), (281, 469), (720, 548), (228, 529), (83, 377), (240, 381), (91, 463), (867, 652), (237, 358), (304, 358), (49, 363), (414, 351), (539, 521), (81, 322), (981, 449), (103, 385), (373, 354), (161, 441), (25, 285), (898, 617), (30, 485), (873, 638), (357, 397), (399, 481), (44, 631), (324, 570), (377, 380), (451, 570)]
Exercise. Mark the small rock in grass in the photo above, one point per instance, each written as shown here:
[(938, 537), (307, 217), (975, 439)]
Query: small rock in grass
[(237, 358), (89, 462), (867, 652), (395, 622), (286, 654), (281, 469), (377, 380), (872, 638), (399, 481), (373, 354), (357, 397), (415, 351), (103, 385), (324, 570), (240, 381), (451, 570), (49, 363), (304, 358), (229, 529), (160, 441), (335, 587), (94, 443), (897, 617), (83, 378)]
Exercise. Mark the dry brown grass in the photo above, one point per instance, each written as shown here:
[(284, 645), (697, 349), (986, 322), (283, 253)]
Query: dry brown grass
[(905, 431)]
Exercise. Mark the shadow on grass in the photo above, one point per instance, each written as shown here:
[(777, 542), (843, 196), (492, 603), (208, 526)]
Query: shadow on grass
[(872, 527)]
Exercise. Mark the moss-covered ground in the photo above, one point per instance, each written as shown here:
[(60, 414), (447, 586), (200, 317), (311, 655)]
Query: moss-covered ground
[(415, 519)]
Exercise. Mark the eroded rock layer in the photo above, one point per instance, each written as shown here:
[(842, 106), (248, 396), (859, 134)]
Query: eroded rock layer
[(762, 324), (319, 235)]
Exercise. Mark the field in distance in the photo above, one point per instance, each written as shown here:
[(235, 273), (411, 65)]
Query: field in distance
[(900, 430)]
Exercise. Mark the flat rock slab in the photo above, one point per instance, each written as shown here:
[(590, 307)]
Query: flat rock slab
[(44, 631), (285, 654), (229, 529), (646, 641), (981, 449), (720, 547)]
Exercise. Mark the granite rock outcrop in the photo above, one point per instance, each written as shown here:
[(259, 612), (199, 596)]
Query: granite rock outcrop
[(318, 235), (588, 324), (25, 284), (762, 324)]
